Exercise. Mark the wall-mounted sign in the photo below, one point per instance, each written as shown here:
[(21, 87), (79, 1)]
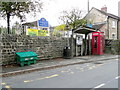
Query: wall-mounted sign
[(32, 32), (79, 40), (42, 32), (89, 25), (43, 23), (35, 32)]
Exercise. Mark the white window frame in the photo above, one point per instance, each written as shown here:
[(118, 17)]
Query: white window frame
[(113, 24)]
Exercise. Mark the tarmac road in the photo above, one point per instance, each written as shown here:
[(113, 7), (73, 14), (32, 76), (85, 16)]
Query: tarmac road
[(102, 74)]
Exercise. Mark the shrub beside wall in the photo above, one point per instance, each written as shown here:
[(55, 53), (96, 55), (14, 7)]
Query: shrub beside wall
[(115, 47), (45, 47), (112, 47)]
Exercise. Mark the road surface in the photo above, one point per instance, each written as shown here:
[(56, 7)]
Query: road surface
[(102, 74)]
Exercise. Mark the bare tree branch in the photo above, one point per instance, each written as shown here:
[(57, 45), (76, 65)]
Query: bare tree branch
[(73, 17)]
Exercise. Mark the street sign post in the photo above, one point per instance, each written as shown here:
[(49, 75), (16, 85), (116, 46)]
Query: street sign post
[(42, 22)]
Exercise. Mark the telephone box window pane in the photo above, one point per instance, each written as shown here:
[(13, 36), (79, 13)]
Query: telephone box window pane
[(95, 42)]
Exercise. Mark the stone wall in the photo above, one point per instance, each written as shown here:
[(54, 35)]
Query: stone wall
[(45, 47)]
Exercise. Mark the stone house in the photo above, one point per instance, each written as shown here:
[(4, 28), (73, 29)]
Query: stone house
[(119, 29), (105, 22)]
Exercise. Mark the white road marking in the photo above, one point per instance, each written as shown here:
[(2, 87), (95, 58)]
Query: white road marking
[(106, 82), (117, 77), (99, 85)]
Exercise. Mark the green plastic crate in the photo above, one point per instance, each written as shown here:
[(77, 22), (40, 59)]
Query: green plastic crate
[(26, 57)]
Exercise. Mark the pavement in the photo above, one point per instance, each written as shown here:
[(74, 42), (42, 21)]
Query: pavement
[(11, 70)]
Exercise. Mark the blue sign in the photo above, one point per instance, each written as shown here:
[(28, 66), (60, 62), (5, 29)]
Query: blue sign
[(89, 25), (42, 22)]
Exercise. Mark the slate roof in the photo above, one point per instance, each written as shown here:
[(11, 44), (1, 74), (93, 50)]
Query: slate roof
[(98, 26), (30, 23), (108, 14)]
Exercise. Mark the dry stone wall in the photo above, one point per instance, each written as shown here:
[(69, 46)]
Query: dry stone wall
[(45, 47)]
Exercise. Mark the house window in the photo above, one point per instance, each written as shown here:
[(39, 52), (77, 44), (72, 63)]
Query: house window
[(113, 24)]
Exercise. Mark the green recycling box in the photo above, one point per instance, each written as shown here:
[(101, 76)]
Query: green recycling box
[(26, 57)]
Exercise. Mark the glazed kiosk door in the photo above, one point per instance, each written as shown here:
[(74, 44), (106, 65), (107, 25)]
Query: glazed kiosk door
[(97, 43)]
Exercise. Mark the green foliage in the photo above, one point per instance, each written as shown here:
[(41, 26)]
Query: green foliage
[(19, 8), (60, 27), (118, 47), (57, 34), (59, 30), (115, 47), (15, 27), (3, 30), (78, 23), (73, 18)]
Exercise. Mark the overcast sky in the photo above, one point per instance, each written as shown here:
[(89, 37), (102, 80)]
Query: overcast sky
[(52, 8)]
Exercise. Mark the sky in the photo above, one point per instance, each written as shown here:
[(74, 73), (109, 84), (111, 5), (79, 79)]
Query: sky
[(52, 9)]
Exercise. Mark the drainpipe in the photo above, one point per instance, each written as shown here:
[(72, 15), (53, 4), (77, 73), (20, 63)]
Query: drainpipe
[(108, 26), (118, 29), (72, 43)]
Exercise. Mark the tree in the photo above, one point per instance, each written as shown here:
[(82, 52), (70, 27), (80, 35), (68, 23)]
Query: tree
[(58, 30), (19, 9), (16, 27), (60, 27), (73, 18), (3, 30)]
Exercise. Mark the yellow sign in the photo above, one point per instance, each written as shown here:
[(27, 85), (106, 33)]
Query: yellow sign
[(42, 32), (32, 32), (35, 32)]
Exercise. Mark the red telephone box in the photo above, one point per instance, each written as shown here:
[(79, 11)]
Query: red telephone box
[(97, 43)]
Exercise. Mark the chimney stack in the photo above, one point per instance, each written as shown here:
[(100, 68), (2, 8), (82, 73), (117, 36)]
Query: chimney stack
[(104, 9)]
